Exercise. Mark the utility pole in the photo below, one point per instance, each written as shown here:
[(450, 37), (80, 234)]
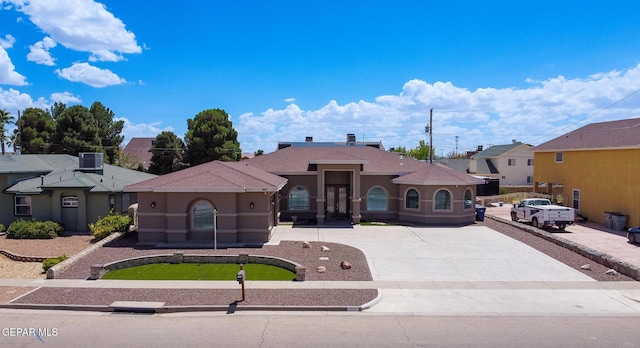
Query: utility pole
[(17, 148), (431, 135), (457, 146)]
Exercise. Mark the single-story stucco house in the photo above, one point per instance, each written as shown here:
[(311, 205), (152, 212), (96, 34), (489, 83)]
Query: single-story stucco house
[(74, 191), (301, 182)]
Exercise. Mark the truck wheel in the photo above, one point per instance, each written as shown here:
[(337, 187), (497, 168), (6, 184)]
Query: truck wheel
[(632, 237), (534, 222), (562, 227), (514, 216)]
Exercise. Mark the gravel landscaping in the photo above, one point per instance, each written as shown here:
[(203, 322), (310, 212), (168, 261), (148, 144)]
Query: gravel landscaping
[(291, 250)]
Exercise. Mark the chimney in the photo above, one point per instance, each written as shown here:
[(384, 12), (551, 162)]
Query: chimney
[(351, 139), (308, 139), (480, 147)]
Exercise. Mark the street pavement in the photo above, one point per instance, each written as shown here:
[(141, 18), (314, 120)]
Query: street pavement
[(468, 270)]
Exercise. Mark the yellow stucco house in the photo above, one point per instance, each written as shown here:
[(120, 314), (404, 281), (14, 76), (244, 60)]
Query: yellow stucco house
[(598, 166)]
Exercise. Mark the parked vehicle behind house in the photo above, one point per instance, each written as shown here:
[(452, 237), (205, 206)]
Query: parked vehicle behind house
[(633, 234), (541, 213)]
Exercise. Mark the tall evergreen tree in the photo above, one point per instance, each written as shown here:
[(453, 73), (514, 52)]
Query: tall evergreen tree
[(38, 131), (167, 151), (77, 131), (108, 131), (211, 136)]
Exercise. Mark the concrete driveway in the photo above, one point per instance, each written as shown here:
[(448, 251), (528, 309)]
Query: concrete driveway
[(468, 253)]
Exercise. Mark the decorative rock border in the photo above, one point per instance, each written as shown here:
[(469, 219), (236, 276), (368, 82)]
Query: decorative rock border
[(54, 271), (16, 257), (594, 255), (97, 271)]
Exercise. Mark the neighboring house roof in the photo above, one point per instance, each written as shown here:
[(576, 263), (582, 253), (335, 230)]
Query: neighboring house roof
[(62, 171), (140, 148), (300, 160), (497, 150), (603, 135), (461, 165), (215, 176)]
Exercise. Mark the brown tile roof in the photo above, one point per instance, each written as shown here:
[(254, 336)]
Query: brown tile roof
[(213, 176), (602, 135), (139, 148), (437, 174), (296, 160)]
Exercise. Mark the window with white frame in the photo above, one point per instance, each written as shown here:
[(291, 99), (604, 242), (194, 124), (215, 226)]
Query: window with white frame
[(443, 200), (299, 198), (559, 157), (530, 162), (202, 215), (468, 199), (22, 206), (377, 199), (70, 201), (412, 199), (529, 179), (511, 162), (576, 199)]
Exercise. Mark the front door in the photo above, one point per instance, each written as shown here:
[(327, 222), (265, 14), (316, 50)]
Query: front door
[(337, 204)]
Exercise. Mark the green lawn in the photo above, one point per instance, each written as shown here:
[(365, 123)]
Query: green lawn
[(200, 271)]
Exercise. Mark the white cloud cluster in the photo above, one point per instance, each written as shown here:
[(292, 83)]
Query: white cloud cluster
[(8, 73), (90, 75), (40, 52), (131, 130), (482, 117), (79, 25)]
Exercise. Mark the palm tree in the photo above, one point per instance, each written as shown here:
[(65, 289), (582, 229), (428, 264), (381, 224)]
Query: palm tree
[(5, 118)]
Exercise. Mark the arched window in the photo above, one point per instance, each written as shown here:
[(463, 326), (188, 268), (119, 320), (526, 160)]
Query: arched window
[(468, 199), (70, 201), (412, 199), (377, 199), (202, 215), (443, 200), (299, 198)]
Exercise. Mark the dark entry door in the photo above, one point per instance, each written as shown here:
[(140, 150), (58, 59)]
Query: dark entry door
[(337, 204)]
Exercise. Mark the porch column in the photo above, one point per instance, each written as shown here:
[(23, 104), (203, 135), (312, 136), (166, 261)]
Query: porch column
[(320, 198), (355, 197)]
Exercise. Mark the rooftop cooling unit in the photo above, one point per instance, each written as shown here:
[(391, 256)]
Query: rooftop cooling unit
[(90, 161)]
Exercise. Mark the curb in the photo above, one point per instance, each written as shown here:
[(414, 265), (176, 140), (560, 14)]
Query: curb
[(593, 255), (180, 309)]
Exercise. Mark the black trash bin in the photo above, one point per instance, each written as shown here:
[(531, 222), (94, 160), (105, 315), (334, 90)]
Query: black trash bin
[(480, 212)]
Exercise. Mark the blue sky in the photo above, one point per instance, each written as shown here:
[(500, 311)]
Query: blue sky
[(492, 71)]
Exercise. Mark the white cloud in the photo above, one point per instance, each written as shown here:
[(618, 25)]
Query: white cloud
[(147, 130), (40, 52), (486, 116), (81, 25), (65, 97), (8, 73), (290, 100), (90, 75), (13, 100)]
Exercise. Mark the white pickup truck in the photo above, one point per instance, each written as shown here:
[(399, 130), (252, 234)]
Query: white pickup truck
[(541, 213)]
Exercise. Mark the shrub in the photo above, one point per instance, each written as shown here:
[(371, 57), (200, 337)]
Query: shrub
[(2, 228), (109, 224), (31, 229), (52, 261)]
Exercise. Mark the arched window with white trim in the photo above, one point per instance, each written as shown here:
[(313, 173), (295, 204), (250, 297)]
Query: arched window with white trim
[(468, 199), (298, 198), (442, 200), (202, 215), (377, 199), (412, 199)]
